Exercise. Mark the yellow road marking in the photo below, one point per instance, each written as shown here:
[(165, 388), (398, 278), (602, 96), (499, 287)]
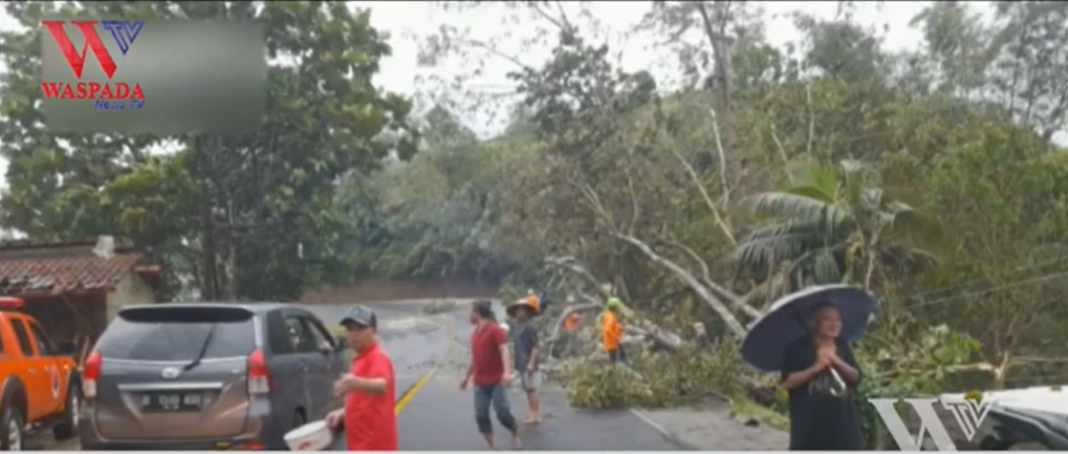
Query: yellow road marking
[(409, 393)]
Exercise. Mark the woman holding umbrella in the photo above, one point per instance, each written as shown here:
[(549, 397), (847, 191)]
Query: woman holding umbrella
[(821, 375), (805, 336)]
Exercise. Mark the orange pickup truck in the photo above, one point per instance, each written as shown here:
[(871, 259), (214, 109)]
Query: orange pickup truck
[(40, 382)]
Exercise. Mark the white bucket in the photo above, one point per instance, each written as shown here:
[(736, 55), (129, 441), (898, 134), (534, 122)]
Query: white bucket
[(314, 436)]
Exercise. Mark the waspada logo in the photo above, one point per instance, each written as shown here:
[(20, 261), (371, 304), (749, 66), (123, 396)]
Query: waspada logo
[(111, 94)]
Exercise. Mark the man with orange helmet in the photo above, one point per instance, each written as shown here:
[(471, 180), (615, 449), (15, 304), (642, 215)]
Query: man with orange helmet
[(525, 345)]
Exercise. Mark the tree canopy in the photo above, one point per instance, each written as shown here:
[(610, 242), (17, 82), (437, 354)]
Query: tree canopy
[(249, 216)]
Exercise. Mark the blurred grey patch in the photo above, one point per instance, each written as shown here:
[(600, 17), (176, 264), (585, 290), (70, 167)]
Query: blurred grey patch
[(195, 76), (748, 420)]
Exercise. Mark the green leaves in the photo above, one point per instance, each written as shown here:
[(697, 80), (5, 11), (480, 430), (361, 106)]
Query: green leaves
[(209, 207), (833, 222)]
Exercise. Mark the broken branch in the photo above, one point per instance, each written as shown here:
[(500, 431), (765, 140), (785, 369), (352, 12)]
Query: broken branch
[(720, 221), (686, 277), (720, 291)]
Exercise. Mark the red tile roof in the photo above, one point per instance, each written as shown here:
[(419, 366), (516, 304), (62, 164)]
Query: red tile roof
[(55, 275)]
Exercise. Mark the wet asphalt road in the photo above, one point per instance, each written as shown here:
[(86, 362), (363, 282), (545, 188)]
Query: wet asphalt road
[(415, 341), (440, 417)]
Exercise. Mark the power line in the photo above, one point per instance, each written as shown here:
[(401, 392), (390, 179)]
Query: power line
[(1018, 270), (996, 289)]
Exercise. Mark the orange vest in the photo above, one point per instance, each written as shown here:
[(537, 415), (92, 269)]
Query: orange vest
[(571, 321), (611, 330)]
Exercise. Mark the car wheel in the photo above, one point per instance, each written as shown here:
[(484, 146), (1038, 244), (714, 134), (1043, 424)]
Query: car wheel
[(68, 423), (12, 429)]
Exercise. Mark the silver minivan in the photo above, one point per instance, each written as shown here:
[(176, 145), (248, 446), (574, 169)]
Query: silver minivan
[(208, 376)]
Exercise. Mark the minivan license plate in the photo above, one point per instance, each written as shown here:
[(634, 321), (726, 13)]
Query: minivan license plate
[(187, 401)]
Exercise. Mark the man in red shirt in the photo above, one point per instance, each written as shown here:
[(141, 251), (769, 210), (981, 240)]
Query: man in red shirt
[(369, 419), (489, 370)]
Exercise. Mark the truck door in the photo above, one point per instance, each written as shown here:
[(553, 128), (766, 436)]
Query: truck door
[(51, 364), (37, 382)]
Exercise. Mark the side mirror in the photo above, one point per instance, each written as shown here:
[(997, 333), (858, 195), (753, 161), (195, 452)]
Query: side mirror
[(65, 348), (341, 343)]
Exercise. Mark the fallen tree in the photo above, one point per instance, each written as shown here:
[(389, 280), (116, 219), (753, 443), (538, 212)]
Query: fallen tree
[(721, 300), (704, 288), (635, 323)]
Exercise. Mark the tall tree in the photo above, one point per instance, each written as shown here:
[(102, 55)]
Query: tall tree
[(1033, 57), (238, 193), (956, 41)]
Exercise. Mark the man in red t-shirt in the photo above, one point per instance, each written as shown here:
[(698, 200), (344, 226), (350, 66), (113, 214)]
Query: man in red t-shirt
[(368, 416), (489, 370)]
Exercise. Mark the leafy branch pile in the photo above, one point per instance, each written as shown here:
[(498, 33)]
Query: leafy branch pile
[(658, 380), (694, 373)]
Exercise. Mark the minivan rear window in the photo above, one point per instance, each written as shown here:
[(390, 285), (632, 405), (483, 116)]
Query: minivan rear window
[(178, 334)]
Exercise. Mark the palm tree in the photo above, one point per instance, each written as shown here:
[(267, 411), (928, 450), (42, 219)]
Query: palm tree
[(833, 224)]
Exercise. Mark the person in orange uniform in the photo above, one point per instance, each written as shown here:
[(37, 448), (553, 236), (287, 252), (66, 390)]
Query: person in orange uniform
[(612, 331), (369, 388), (571, 321), (569, 338)]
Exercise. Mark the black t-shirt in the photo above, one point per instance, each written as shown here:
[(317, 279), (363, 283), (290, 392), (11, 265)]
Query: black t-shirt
[(818, 419)]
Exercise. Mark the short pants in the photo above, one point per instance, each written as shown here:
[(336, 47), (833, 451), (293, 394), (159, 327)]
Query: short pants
[(530, 381)]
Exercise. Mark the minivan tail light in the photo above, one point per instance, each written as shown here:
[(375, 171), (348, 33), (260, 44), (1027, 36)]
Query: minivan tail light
[(259, 378), (91, 372)]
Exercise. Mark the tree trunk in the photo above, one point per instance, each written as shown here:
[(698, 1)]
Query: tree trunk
[(687, 278)]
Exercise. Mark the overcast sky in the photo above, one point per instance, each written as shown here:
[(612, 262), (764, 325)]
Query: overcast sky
[(403, 20), (406, 21)]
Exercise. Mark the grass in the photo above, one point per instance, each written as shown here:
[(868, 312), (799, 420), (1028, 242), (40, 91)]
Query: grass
[(746, 406)]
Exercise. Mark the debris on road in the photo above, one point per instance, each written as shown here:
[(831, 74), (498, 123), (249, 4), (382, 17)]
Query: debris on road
[(440, 306)]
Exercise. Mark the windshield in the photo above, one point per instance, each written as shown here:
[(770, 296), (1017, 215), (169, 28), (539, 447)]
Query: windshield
[(178, 334)]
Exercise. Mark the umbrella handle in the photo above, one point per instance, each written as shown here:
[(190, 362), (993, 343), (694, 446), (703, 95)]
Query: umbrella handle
[(839, 388)]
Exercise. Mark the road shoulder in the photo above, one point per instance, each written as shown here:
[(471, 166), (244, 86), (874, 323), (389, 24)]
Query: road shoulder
[(712, 429)]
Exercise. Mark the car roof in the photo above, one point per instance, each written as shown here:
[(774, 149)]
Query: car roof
[(254, 307)]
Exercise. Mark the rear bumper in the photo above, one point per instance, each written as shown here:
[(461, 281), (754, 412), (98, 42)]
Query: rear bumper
[(164, 444), (258, 430)]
